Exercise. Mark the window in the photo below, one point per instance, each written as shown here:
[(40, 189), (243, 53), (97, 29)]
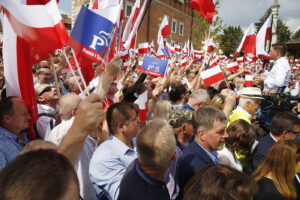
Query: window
[(181, 28), (128, 8), (181, 1), (174, 25)]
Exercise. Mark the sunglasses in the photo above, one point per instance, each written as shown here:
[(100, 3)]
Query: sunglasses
[(46, 89)]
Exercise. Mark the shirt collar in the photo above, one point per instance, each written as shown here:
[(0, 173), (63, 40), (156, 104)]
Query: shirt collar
[(279, 60), (244, 111), (273, 137), (146, 177), (213, 155), (46, 108), (12, 136), (122, 147)]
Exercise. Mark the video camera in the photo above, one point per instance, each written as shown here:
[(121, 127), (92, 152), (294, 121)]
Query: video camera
[(278, 102)]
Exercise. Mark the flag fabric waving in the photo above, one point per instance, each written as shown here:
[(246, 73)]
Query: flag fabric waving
[(248, 80), (134, 30), (164, 30), (248, 43), (232, 66), (154, 66), (39, 25), (206, 8), (143, 48), (22, 49), (143, 105), (263, 35), (91, 35), (211, 76), (130, 23)]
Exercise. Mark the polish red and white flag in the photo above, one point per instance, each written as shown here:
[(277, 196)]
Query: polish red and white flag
[(124, 54), (129, 41), (263, 35), (214, 62), (131, 22), (239, 60), (184, 62), (171, 48), (140, 63), (211, 76), (198, 53), (233, 66), (143, 48), (248, 43), (29, 34), (177, 47), (164, 30), (222, 57), (248, 80), (142, 102)]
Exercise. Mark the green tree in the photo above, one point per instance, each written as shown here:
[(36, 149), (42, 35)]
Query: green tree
[(283, 31), (296, 34), (201, 27), (230, 39)]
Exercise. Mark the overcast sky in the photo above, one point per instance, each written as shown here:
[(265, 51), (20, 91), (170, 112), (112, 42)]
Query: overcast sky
[(244, 12)]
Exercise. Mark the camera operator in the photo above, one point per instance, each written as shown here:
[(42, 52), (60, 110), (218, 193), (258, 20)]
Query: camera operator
[(279, 75)]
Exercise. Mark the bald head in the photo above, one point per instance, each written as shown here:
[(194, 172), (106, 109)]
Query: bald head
[(67, 105)]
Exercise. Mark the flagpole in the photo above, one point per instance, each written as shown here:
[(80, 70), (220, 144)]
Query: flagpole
[(73, 73), (56, 84), (79, 71), (205, 52)]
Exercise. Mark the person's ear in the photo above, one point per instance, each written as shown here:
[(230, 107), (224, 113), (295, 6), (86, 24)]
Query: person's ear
[(6, 119), (40, 99), (201, 135)]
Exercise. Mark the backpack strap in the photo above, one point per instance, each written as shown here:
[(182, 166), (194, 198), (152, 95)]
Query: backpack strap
[(50, 115)]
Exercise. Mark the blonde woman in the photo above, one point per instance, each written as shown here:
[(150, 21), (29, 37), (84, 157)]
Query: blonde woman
[(276, 175), (162, 110)]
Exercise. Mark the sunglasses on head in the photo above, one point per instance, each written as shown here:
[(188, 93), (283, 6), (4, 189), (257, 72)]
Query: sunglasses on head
[(46, 89)]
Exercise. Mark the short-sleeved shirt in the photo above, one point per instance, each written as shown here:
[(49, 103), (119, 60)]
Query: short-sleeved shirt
[(10, 146), (108, 165)]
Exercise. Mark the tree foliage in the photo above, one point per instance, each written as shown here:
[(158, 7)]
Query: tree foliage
[(296, 34), (230, 39), (201, 28)]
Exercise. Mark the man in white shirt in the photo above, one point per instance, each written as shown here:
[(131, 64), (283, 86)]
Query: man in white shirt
[(279, 75), (67, 107)]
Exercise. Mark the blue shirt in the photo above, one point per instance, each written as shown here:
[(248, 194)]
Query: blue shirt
[(10, 146), (213, 155), (188, 107), (108, 165)]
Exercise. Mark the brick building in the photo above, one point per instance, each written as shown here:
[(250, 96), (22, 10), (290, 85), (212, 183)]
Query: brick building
[(180, 16)]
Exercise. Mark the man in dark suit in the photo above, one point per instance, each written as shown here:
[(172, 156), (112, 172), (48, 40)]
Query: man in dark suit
[(209, 125), (284, 127)]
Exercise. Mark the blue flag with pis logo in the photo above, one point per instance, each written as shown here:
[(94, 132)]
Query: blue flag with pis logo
[(91, 35), (154, 66)]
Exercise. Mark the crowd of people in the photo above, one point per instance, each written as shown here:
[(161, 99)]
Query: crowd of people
[(131, 135)]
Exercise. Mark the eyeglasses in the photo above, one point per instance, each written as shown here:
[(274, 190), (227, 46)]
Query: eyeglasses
[(46, 89)]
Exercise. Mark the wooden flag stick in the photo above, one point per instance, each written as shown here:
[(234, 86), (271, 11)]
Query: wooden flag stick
[(72, 71), (79, 71)]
